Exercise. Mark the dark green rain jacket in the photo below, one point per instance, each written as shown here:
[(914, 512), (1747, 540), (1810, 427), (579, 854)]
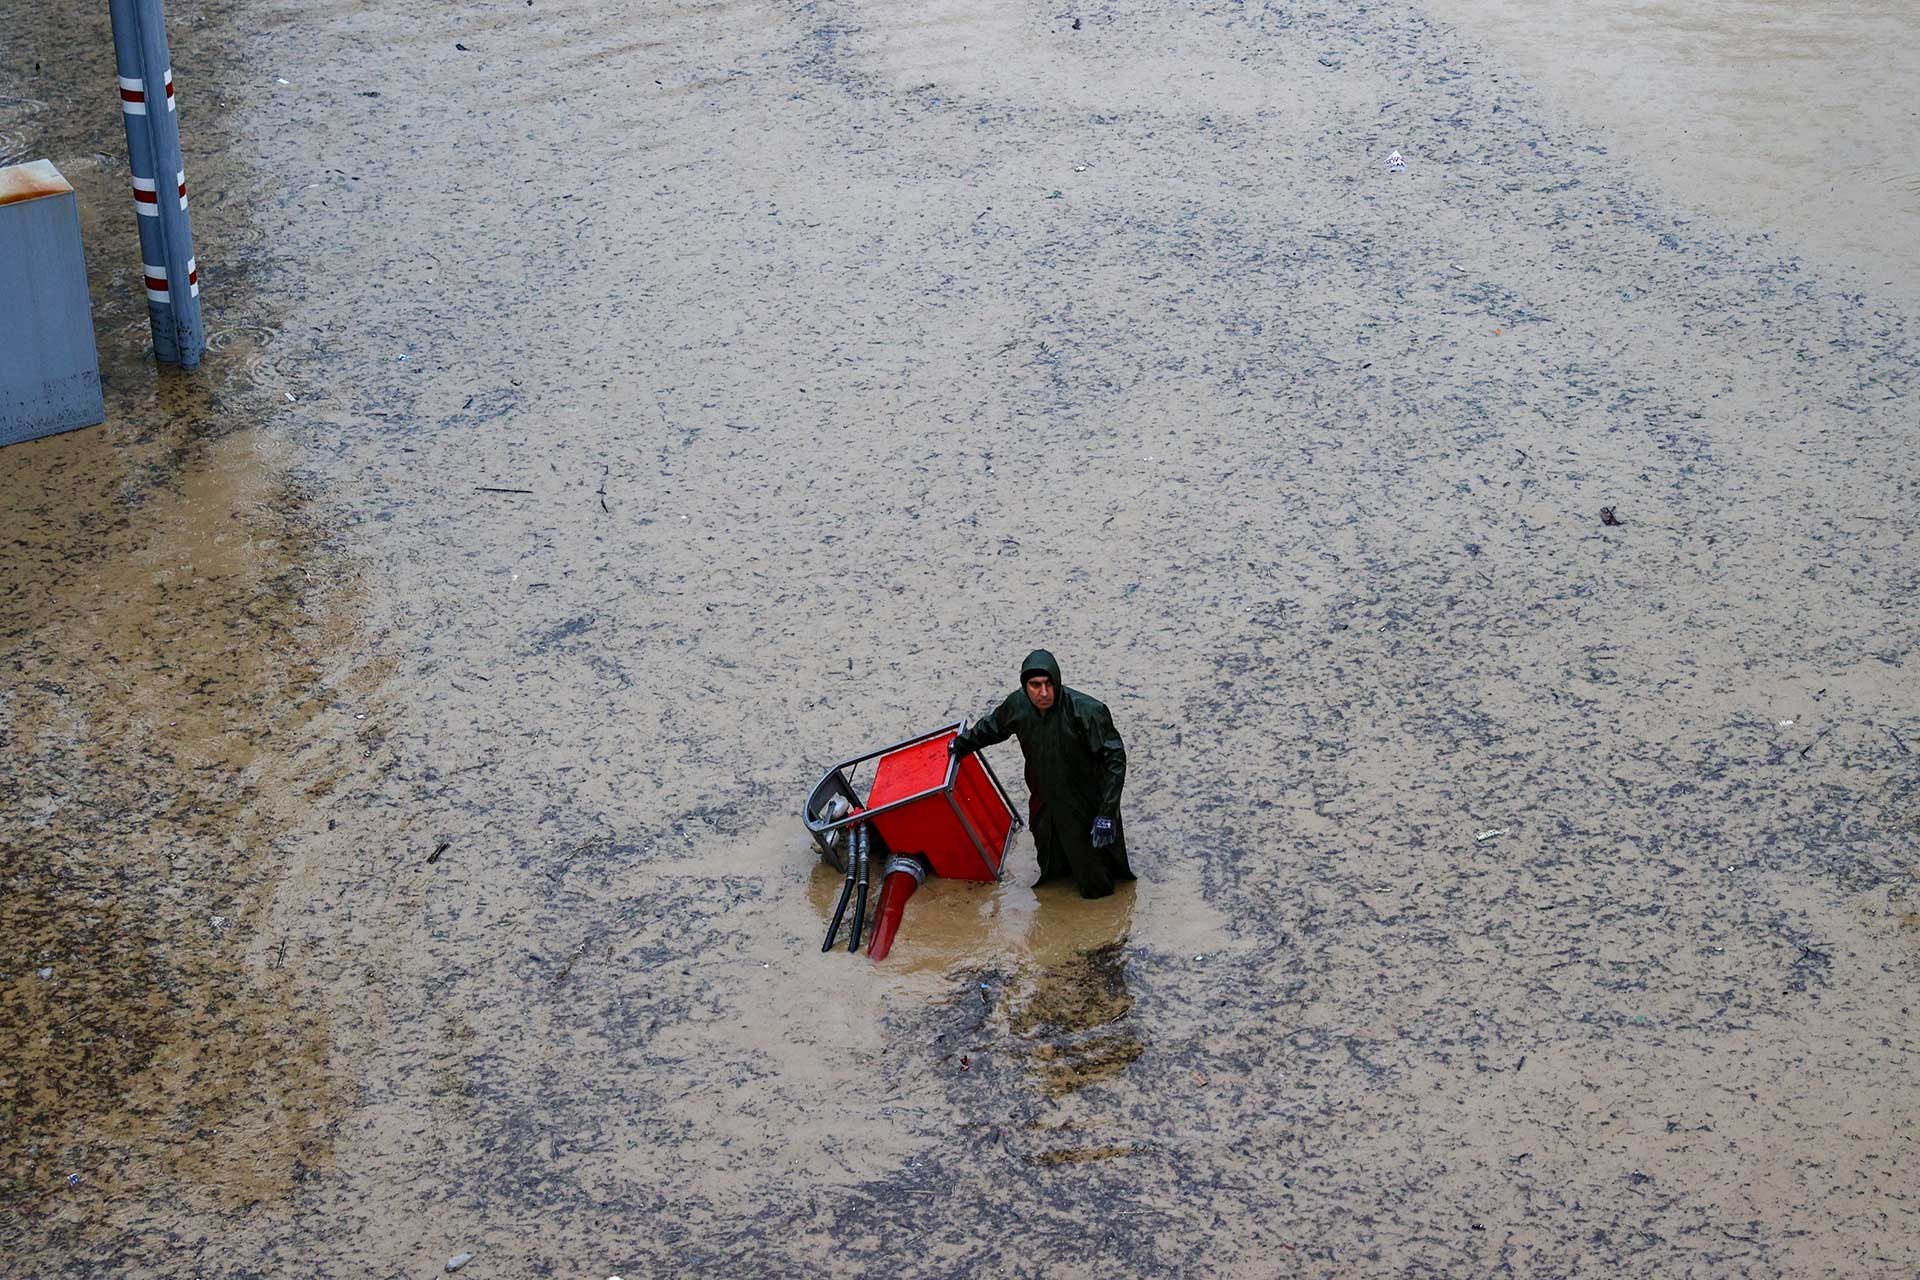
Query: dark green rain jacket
[(1076, 766)]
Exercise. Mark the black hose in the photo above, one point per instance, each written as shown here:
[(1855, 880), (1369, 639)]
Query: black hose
[(846, 891), (862, 843)]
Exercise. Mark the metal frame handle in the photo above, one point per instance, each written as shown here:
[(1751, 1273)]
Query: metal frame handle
[(837, 780)]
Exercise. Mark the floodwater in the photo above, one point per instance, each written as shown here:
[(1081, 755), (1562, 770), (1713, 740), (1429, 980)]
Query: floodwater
[(1779, 116), (616, 417)]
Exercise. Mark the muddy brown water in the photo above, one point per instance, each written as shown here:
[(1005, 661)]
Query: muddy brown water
[(1776, 115), (1519, 894)]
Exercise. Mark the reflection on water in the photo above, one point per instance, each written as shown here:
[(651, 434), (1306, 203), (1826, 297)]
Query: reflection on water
[(1072, 1019), (1060, 961), (956, 923)]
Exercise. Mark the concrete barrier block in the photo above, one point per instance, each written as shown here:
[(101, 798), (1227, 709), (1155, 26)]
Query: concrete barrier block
[(49, 368)]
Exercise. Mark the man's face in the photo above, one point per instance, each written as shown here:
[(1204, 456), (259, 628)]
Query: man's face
[(1040, 692)]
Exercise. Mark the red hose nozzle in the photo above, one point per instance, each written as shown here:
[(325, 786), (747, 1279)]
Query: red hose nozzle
[(903, 877)]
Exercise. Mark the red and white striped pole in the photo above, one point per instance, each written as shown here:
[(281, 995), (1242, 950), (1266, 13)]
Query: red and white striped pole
[(159, 181)]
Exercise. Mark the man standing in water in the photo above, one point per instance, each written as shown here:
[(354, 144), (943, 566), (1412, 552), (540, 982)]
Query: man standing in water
[(1076, 766)]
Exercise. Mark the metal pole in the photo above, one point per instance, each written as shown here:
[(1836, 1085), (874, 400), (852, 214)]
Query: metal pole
[(171, 273)]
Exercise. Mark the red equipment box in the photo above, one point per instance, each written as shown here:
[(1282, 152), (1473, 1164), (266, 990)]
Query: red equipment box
[(961, 830)]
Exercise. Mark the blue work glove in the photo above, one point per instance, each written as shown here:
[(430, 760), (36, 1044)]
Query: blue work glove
[(1102, 833)]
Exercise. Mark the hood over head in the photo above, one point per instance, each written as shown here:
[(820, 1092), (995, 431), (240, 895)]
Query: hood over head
[(1040, 662)]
